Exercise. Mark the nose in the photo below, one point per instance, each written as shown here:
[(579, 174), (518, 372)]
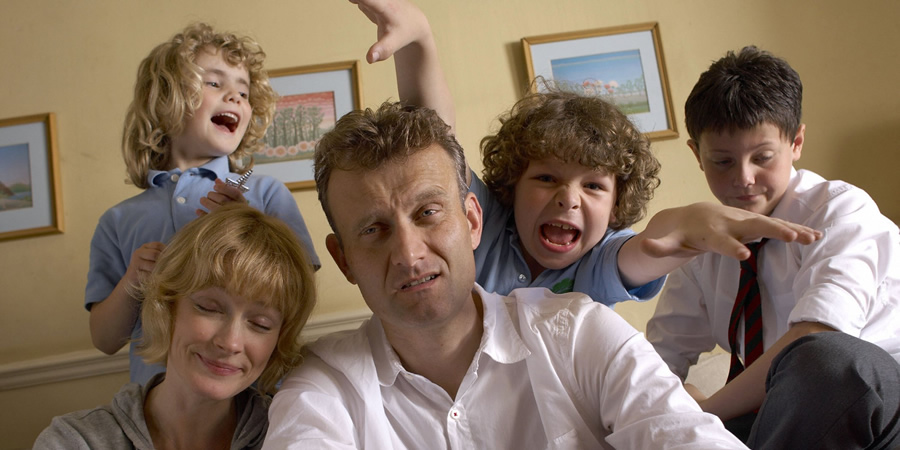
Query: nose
[(567, 198), (408, 246), (233, 94), (745, 175), (229, 337)]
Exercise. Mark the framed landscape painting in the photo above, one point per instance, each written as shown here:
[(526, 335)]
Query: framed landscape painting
[(311, 99), (624, 65), (30, 199)]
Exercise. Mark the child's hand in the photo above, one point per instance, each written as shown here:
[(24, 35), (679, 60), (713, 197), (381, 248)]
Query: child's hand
[(708, 227), (221, 194), (143, 260), (399, 24)]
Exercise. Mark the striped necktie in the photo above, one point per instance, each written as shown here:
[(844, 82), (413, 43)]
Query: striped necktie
[(747, 304)]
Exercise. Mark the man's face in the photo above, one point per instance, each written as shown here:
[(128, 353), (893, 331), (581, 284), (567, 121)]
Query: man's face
[(405, 239), (748, 169)]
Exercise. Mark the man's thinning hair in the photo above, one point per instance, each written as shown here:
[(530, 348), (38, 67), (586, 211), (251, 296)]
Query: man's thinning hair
[(743, 90), (366, 140)]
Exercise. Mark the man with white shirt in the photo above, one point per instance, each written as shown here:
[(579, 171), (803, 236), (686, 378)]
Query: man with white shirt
[(442, 363)]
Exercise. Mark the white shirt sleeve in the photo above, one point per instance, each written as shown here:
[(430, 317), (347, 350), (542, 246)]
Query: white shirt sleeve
[(680, 328), (639, 401), (310, 411)]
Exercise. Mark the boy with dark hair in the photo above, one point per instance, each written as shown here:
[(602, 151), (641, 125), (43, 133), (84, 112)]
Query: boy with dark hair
[(812, 329)]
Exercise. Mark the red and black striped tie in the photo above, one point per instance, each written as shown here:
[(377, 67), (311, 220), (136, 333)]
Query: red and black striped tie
[(747, 304)]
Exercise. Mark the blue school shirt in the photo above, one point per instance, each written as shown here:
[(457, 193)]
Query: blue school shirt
[(501, 267), (157, 213)]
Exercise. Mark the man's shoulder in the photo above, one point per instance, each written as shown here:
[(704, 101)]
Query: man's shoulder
[(537, 304), (543, 299), (339, 352), (340, 343)]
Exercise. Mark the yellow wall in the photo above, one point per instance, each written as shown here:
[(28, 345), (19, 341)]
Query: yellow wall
[(78, 59)]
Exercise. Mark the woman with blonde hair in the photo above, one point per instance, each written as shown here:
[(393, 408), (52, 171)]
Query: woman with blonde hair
[(222, 309)]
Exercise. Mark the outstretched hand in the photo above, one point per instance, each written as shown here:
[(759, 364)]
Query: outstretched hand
[(399, 24), (709, 227), (221, 194)]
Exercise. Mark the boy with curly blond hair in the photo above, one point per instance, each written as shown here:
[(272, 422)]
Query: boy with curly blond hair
[(202, 102)]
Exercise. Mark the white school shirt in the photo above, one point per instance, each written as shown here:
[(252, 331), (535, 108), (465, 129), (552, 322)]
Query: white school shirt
[(848, 280), (524, 389)]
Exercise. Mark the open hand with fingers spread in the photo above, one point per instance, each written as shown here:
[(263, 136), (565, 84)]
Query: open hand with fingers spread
[(709, 227)]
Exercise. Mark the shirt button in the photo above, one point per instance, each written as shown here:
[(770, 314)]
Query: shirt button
[(181, 200), (175, 177), (522, 278), (455, 414)]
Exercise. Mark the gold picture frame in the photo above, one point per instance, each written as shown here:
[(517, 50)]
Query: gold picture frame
[(30, 192), (311, 99), (623, 64)]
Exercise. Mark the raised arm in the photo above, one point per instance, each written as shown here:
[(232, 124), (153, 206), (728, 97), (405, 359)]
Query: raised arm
[(405, 34), (674, 236)]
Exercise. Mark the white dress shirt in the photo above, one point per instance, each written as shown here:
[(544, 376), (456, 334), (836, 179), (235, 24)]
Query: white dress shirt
[(524, 389), (848, 280)]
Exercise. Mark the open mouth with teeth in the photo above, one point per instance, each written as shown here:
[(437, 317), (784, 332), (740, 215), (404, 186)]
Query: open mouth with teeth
[(559, 234), (418, 282), (227, 120)]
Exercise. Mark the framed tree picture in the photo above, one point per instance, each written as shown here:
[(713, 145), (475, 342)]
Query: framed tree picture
[(311, 99)]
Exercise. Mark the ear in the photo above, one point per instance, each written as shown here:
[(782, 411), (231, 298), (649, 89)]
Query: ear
[(473, 218), (695, 147), (798, 141), (337, 254)]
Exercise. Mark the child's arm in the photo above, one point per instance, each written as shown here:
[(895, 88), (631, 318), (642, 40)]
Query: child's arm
[(746, 392), (404, 32), (674, 236), (112, 320)]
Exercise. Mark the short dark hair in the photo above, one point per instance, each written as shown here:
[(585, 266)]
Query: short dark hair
[(743, 90), (368, 139), (572, 128)]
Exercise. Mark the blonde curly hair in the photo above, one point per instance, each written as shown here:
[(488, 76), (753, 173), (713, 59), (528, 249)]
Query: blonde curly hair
[(168, 91)]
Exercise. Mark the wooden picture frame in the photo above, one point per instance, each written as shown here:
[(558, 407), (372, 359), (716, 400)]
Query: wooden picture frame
[(30, 192), (622, 64), (312, 98)]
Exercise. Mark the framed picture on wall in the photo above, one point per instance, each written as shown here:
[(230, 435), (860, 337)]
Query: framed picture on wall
[(311, 99), (623, 64), (30, 198)]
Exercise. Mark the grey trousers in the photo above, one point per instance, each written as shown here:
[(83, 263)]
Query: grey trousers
[(829, 390)]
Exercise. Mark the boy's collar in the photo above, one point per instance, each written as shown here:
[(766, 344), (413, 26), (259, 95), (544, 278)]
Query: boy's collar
[(217, 168)]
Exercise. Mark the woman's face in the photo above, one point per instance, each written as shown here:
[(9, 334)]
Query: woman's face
[(221, 342)]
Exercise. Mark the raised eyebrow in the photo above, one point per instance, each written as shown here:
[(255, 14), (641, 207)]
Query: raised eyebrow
[(431, 194)]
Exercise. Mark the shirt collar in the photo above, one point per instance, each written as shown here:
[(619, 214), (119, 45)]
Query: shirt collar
[(217, 168), (500, 341)]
